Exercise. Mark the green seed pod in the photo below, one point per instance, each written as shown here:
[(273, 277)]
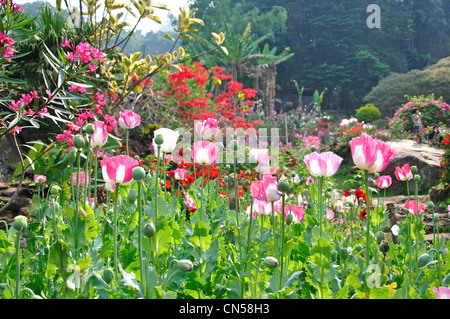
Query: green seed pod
[(423, 260), (384, 247), (89, 129), (108, 275), (149, 230), (414, 169), (78, 141), (313, 148), (185, 265), (138, 173), (380, 237), (72, 155), (283, 186), (159, 139), (20, 223), (270, 262), (430, 205), (359, 247), (417, 178), (376, 175), (132, 195)]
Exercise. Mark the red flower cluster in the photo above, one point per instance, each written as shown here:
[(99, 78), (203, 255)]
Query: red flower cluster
[(196, 103)]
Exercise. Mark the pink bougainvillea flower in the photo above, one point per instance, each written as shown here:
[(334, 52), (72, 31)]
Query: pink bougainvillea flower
[(192, 206), (205, 152), (265, 189), (128, 119), (370, 154), (263, 159), (404, 173), (100, 135), (180, 174), (323, 164), (118, 169), (411, 206), (442, 292), (383, 182), (207, 129), (40, 179)]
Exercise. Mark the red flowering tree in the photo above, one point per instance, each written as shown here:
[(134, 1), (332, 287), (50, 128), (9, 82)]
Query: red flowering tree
[(195, 93)]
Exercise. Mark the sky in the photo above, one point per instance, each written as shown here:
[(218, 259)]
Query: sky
[(144, 26)]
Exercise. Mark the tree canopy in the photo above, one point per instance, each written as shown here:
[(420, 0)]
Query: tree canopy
[(333, 46)]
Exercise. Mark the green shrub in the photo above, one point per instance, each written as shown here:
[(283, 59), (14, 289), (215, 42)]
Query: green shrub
[(368, 113), (390, 91)]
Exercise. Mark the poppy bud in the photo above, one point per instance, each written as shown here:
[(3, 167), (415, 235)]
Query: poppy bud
[(289, 218), (185, 265), (149, 230), (313, 148), (435, 218), (55, 190), (20, 223), (132, 194), (108, 275), (234, 145), (423, 260), (72, 155), (414, 169), (343, 252), (270, 262), (417, 178)]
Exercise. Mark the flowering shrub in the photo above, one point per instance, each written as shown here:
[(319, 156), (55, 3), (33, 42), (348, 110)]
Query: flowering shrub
[(192, 95), (434, 112)]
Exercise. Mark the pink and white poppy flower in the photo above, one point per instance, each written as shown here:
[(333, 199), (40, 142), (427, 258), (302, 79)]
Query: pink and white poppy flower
[(117, 170)]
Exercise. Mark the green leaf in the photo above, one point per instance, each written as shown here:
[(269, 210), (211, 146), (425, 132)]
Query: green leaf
[(59, 256), (201, 236)]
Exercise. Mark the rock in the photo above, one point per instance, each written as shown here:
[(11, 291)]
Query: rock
[(8, 157), (425, 157), (439, 193)]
